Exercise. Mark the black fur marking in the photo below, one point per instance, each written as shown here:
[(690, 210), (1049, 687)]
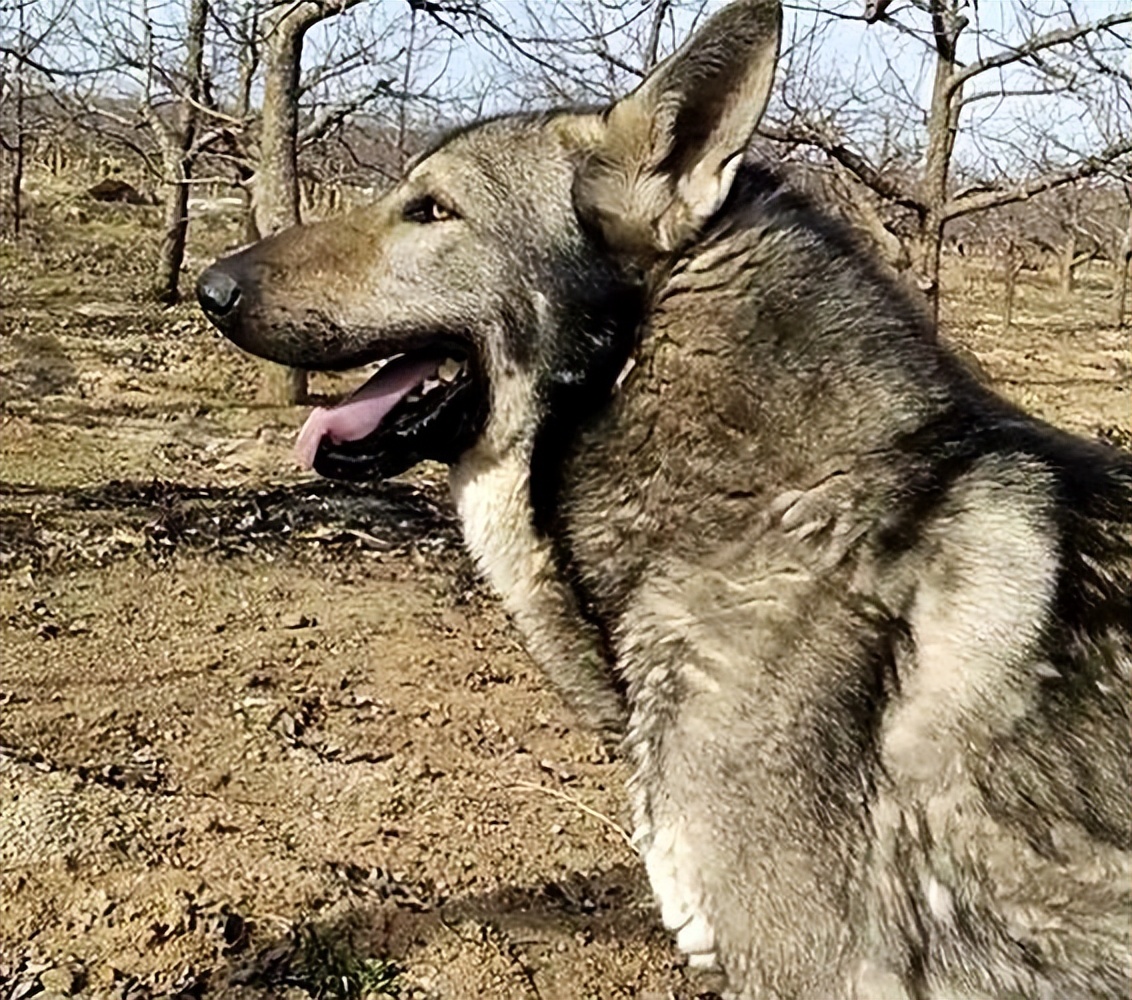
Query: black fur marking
[(954, 446), (581, 372)]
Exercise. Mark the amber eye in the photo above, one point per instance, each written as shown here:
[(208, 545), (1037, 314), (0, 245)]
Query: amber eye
[(427, 209)]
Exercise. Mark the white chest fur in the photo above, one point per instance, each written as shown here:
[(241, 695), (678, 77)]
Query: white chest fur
[(492, 496), (493, 501)]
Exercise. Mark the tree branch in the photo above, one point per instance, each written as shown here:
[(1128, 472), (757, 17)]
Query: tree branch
[(1088, 167), (1002, 94), (652, 46), (23, 57), (1059, 37), (334, 115), (619, 63), (53, 72), (860, 167)]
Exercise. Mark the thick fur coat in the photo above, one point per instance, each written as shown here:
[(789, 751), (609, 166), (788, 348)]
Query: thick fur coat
[(861, 627)]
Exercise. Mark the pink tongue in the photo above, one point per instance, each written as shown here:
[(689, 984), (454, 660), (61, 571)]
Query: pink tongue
[(365, 409)]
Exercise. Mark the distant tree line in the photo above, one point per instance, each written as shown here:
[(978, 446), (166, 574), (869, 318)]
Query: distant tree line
[(961, 124)]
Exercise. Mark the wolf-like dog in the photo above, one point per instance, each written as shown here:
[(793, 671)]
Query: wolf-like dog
[(861, 627)]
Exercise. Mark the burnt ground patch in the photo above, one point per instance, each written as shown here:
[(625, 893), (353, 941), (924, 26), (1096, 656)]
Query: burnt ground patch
[(93, 524)]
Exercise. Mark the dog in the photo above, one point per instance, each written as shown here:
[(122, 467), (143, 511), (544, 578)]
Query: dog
[(860, 626)]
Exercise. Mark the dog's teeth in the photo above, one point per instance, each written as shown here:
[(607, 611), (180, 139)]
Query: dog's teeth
[(450, 369), (428, 385)]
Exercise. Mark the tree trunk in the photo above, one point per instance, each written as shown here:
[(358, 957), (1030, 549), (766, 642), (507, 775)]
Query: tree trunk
[(276, 182), (406, 82), (245, 181), (942, 126), (18, 159), (1066, 263), (1124, 266), (21, 138), (178, 155), (275, 191), (1122, 298), (175, 230), (928, 260), (275, 187), (249, 60), (1012, 267)]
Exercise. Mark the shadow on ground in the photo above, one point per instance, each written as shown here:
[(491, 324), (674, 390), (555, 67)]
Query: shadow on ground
[(357, 951)]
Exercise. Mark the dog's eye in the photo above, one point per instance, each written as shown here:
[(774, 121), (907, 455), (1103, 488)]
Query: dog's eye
[(427, 209)]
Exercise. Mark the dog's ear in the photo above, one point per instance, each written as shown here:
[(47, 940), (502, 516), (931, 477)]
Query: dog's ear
[(669, 150)]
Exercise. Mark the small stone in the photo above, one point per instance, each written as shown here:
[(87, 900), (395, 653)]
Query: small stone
[(62, 980)]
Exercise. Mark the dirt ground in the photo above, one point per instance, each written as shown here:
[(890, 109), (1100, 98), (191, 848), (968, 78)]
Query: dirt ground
[(267, 736)]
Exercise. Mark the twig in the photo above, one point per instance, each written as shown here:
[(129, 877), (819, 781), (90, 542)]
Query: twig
[(530, 786)]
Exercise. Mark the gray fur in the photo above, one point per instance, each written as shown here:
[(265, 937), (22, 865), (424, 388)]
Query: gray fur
[(864, 626)]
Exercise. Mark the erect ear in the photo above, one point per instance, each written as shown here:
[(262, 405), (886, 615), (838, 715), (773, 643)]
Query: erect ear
[(670, 149)]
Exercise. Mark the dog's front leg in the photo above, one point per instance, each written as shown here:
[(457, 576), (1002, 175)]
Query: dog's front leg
[(569, 651), (746, 791), (743, 874)]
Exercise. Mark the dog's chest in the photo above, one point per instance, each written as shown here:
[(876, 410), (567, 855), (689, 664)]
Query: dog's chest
[(492, 498)]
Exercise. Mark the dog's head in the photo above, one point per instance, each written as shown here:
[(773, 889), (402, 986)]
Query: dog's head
[(507, 266)]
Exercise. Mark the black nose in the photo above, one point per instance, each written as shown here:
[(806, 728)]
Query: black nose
[(217, 292)]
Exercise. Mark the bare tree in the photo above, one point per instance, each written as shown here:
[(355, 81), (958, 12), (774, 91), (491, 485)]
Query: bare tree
[(258, 47), (24, 76), (1124, 263), (14, 69), (906, 155), (144, 92), (1078, 220), (1071, 59), (179, 151), (276, 183), (275, 197), (1011, 254), (568, 51)]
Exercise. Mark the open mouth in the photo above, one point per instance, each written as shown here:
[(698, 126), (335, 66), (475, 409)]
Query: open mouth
[(419, 405)]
